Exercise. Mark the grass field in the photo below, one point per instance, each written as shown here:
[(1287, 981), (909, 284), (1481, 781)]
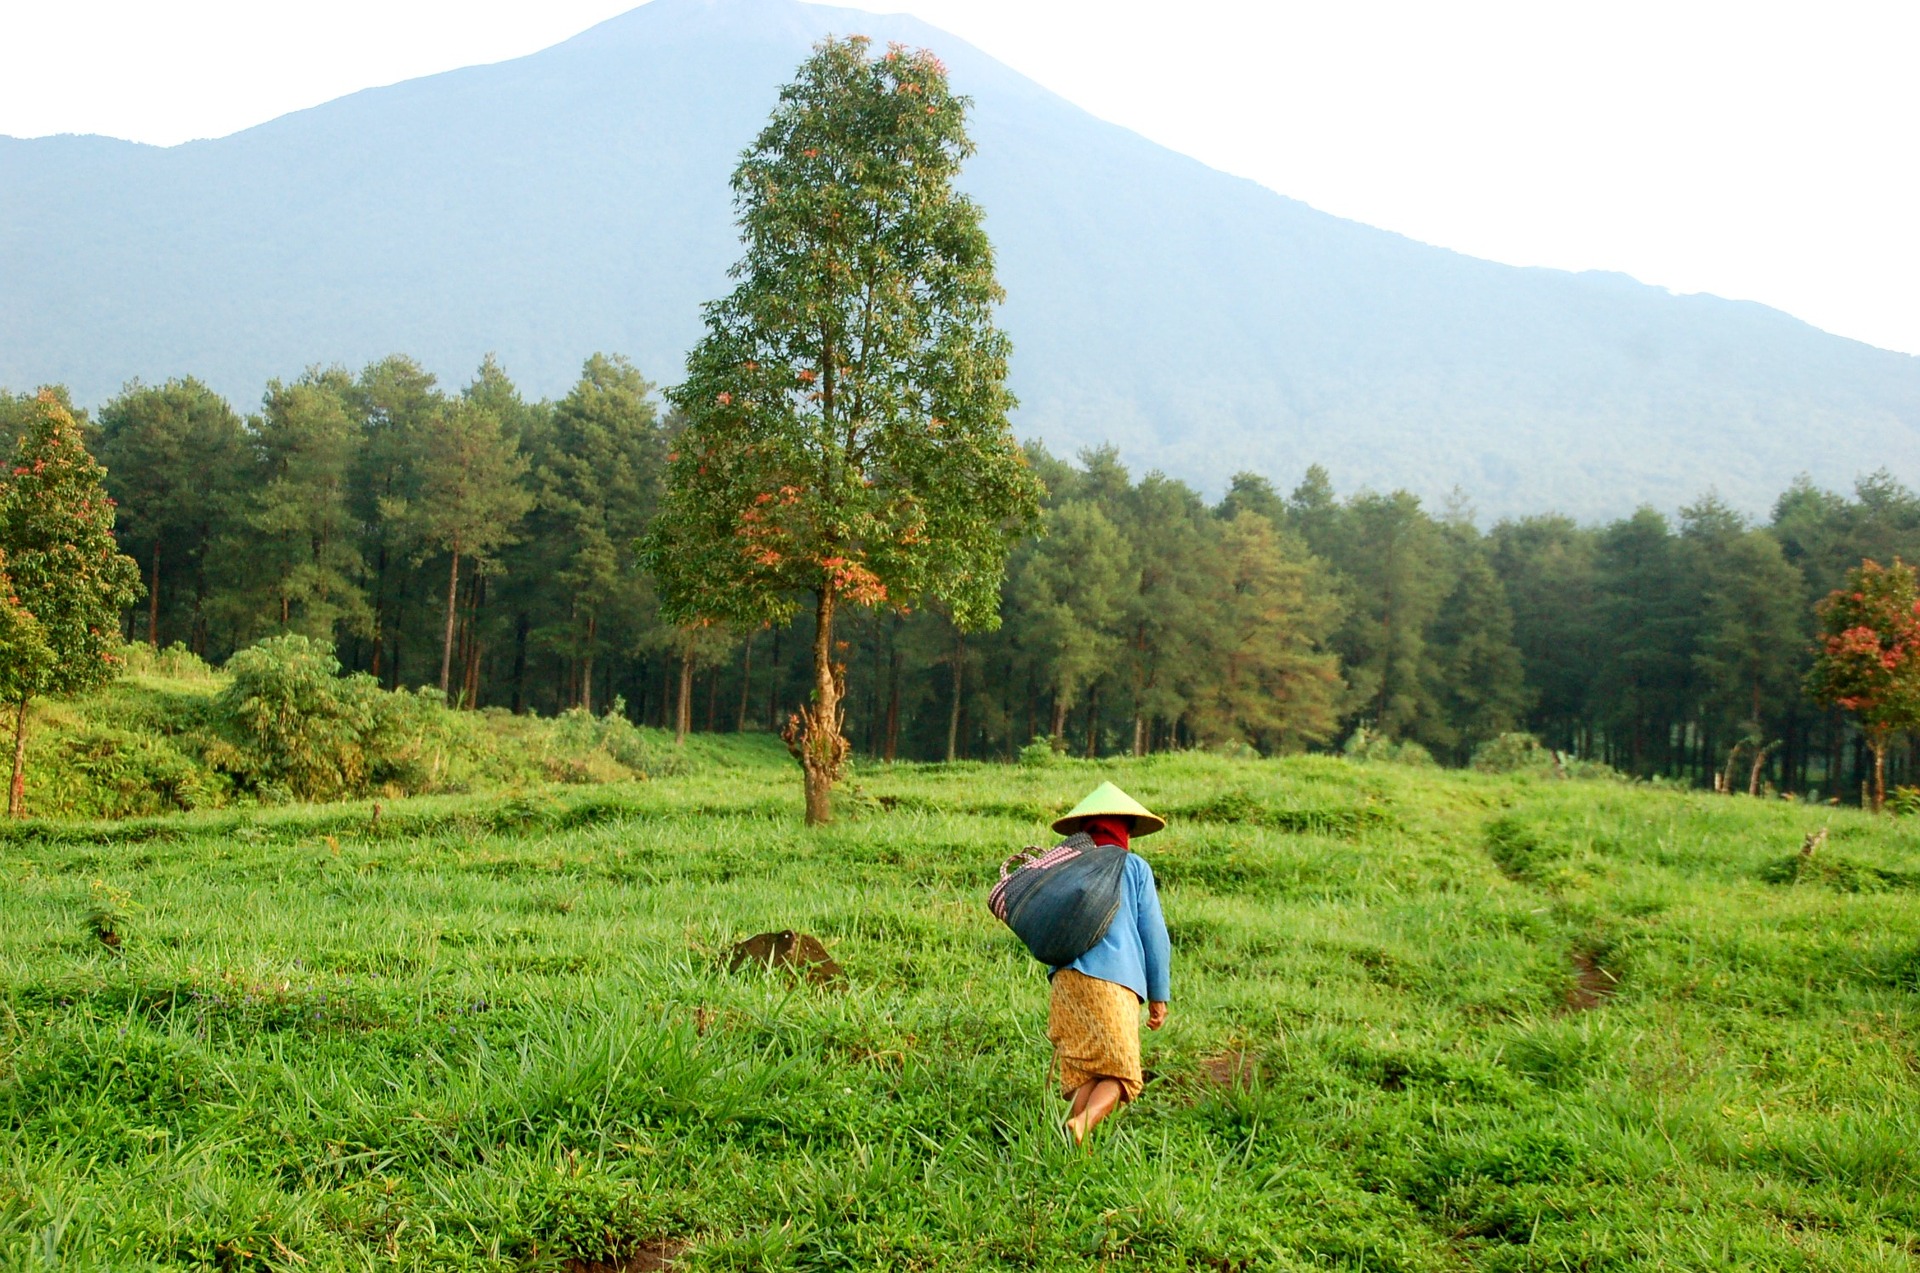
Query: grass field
[(1421, 1021)]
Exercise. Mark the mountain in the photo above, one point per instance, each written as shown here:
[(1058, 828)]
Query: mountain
[(576, 200)]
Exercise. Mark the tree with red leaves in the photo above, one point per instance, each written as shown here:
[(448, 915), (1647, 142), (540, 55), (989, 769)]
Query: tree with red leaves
[(63, 580), (1867, 657)]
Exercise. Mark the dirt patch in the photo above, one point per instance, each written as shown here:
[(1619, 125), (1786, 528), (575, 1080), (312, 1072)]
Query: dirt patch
[(1592, 984), (649, 1257), (1231, 1069), (798, 953)]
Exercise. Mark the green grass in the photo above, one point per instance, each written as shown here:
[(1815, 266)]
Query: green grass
[(493, 1032)]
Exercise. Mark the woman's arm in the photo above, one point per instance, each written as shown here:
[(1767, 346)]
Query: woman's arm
[(1153, 935)]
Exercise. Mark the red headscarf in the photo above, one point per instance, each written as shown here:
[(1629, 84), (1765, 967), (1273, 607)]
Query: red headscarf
[(1109, 829)]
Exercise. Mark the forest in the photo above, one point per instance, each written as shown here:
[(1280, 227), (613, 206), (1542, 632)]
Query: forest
[(482, 543)]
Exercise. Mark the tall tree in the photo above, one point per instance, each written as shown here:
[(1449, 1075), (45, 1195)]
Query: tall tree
[(1479, 674), (1270, 610), (1868, 656), (395, 401), (177, 460), (1396, 563), (65, 579), (599, 483), (847, 433), (301, 517), (466, 498), (1164, 620), (1648, 612), (1065, 596), (1546, 567)]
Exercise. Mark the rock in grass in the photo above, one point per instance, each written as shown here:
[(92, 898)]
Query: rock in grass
[(797, 953)]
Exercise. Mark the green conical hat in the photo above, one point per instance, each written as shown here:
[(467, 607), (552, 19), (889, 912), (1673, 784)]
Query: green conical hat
[(1107, 800)]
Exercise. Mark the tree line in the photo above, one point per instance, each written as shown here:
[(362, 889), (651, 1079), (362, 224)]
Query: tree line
[(484, 543)]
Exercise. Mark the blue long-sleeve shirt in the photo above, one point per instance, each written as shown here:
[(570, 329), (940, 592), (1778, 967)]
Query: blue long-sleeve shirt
[(1135, 952)]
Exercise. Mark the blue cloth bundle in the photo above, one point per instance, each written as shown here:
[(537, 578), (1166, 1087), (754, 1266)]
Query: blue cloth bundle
[(1061, 901)]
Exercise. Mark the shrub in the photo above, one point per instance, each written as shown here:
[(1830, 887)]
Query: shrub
[(581, 740), (1371, 745), (1512, 754), (105, 772), (1040, 753), (297, 727)]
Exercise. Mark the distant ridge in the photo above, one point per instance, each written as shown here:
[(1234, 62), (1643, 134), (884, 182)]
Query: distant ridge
[(577, 200)]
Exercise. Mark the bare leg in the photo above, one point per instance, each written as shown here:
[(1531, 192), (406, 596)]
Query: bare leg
[(1092, 1102)]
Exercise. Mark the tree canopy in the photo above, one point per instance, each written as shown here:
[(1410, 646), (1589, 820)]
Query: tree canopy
[(846, 434)]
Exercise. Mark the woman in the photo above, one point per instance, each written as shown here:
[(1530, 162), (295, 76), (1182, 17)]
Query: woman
[(1094, 1018)]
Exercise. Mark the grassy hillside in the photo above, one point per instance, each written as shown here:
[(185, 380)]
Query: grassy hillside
[(159, 740), (1422, 1021)]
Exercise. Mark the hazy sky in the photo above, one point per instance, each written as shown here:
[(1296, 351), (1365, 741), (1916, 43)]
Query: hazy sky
[(1755, 150)]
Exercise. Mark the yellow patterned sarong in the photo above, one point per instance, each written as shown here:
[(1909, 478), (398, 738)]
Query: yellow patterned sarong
[(1095, 1029)]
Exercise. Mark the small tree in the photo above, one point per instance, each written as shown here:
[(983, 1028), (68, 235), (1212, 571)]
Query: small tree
[(846, 430), (1867, 657), (65, 579)]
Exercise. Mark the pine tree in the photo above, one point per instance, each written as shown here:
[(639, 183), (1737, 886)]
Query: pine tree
[(301, 517), (65, 579), (395, 402), (1066, 595), (1270, 611), (177, 460), (466, 498), (599, 483), (846, 412)]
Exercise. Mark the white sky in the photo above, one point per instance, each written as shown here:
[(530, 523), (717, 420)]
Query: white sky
[(1757, 150)]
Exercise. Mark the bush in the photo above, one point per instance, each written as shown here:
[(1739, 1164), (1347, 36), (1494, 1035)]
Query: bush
[(581, 742), (1371, 745), (1512, 754), (107, 772), (1040, 753), (298, 728)]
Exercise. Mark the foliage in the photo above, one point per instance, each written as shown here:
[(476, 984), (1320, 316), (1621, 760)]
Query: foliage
[(176, 460), (846, 430), (493, 1033), (298, 726), (1868, 657), (62, 577), (1656, 645), (1513, 753), (1367, 744), (171, 737)]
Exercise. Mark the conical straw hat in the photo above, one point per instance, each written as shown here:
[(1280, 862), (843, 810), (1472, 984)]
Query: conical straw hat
[(1108, 800)]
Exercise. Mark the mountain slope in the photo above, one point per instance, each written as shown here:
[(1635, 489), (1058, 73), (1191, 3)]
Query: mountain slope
[(577, 200)]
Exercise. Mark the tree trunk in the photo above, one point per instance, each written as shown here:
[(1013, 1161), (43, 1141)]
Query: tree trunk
[(17, 793), (746, 684), (1139, 734), (1057, 731), (893, 690), (453, 592), (153, 600), (586, 670), (683, 705), (773, 685), (1759, 763), (813, 734), (953, 715), (520, 629), (1879, 746)]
